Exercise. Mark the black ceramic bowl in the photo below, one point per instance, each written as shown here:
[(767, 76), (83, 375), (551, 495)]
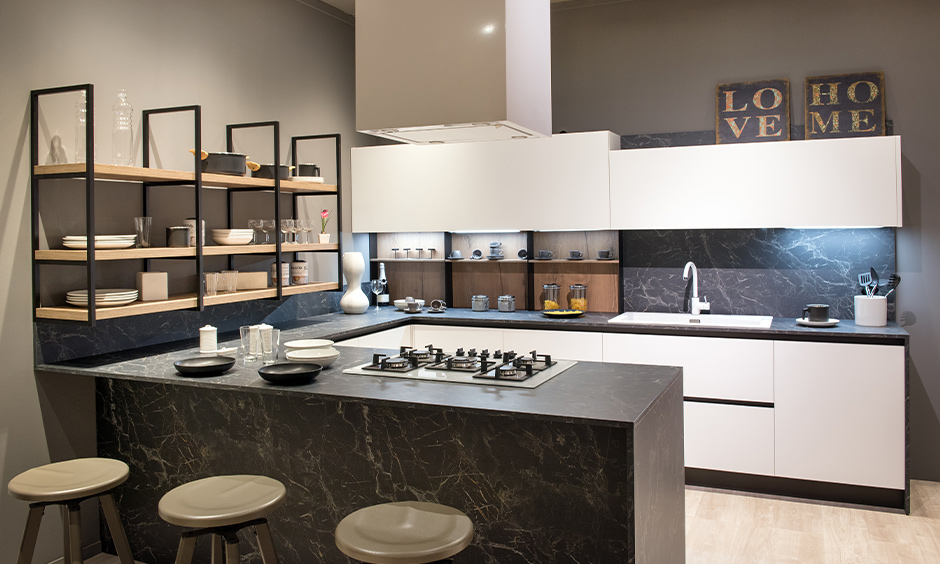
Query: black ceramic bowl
[(290, 373), (204, 365)]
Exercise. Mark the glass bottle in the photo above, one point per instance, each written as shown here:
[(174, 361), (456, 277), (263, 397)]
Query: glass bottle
[(122, 135), (382, 298)]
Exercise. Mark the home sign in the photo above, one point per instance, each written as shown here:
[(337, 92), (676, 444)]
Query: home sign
[(746, 112), (845, 105)]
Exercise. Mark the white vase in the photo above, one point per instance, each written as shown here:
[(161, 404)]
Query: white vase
[(324, 237), (354, 300)]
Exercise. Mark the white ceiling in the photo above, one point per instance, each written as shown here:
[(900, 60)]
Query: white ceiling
[(349, 6)]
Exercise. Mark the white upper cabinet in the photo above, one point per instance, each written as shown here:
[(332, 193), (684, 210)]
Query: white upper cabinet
[(550, 184), (815, 183)]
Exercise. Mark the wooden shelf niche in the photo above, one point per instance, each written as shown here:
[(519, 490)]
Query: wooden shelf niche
[(416, 277), (600, 277), (491, 278)]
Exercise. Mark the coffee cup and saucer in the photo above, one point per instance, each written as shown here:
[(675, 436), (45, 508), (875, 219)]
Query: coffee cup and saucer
[(455, 255), (816, 315), (575, 255)]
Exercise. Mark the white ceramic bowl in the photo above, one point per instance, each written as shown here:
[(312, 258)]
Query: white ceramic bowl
[(323, 357), (307, 344), (232, 239), (400, 304)]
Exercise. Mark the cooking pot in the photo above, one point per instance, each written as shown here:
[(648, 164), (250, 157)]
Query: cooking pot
[(267, 171), (232, 164), (307, 170)]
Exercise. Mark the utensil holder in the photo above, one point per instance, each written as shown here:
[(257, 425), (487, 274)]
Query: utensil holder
[(871, 311)]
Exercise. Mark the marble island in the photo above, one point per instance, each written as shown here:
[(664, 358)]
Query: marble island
[(586, 467)]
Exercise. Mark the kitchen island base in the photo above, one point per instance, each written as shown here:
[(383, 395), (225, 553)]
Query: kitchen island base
[(538, 489)]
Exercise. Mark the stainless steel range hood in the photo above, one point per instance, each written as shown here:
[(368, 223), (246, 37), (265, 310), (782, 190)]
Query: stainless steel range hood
[(443, 71)]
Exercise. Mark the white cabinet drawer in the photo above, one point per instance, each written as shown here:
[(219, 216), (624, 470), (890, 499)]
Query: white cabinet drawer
[(568, 345), (730, 438), (449, 338), (840, 413), (388, 339), (731, 369)]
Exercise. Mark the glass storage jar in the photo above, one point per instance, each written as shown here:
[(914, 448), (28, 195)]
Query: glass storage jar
[(550, 296), (578, 297)]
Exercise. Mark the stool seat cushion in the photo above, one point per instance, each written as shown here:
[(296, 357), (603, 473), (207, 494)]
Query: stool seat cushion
[(70, 479), (219, 501), (409, 532)]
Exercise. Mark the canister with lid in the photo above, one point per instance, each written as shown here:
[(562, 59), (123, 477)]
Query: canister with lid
[(550, 296), (578, 297), (506, 303), (480, 303), (285, 274), (298, 272)]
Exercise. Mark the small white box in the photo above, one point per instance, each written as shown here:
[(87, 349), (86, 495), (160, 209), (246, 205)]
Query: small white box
[(252, 281), (152, 286)]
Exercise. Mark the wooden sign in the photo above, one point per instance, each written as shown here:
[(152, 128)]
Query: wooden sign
[(845, 105), (746, 112)]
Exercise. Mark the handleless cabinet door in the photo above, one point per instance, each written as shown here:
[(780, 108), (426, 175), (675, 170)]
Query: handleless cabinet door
[(388, 339), (567, 345), (450, 338), (715, 368), (731, 438), (840, 413)]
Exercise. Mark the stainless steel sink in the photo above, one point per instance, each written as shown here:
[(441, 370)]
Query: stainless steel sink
[(689, 320)]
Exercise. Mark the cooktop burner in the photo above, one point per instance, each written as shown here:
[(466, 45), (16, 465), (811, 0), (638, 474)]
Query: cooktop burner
[(501, 368)]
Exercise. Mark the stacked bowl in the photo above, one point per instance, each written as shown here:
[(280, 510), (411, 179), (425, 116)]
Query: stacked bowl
[(232, 236), (318, 351)]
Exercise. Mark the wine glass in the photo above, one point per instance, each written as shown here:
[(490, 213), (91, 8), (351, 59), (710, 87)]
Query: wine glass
[(297, 229), (308, 229), (287, 227), (255, 225), (377, 287), (267, 226)]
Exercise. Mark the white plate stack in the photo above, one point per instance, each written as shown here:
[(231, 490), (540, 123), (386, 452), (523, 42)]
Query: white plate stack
[(103, 297), (101, 241)]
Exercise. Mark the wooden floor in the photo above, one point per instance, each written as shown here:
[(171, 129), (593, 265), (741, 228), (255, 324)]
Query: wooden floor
[(736, 528)]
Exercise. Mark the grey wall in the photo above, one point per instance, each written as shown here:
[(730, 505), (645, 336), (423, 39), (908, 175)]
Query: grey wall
[(242, 60), (651, 66)]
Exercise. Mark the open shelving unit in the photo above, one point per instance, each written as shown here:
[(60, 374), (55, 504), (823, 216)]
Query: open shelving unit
[(152, 179)]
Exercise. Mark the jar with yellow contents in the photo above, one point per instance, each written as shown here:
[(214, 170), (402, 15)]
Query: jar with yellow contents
[(577, 298), (550, 296)]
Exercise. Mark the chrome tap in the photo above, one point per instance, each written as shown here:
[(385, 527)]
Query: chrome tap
[(696, 305)]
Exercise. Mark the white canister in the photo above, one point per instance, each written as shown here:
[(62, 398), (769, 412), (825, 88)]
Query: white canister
[(191, 224), (871, 311), (208, 339), (298, 272), (285, 274)]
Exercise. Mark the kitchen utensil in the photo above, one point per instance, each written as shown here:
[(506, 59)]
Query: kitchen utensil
[(142, 229), (204, 365), (307, 344), (893, 282), (177, 236), (454, 255), (307, 169), (550, 296), (232, 236), (190, 222), (808, 323), (864, 279), (577, 297), (103, 297), (290, 373), (101, 241), (874, 282), (605, 255), (575, 255), (402, 304), (506, 303), (871, 311), (412, 307), (232, 164), (476, 254), (480, 303), (298, 272), (522, 254), (437, 306), (562, 313), (267, 171), (816, 312), (322, 356), (544, 255)]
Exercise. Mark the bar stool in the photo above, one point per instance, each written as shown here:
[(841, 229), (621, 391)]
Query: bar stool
[(67, 484), (220, 506), (407, 532)]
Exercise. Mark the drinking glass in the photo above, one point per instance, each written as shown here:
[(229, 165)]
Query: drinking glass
[(377, 287), (255, 225), (308, 225), (142, 228), (267, 226), (296, 228), (212, 283), (228, 281), (287, 226), (270, 338), (251, 342)]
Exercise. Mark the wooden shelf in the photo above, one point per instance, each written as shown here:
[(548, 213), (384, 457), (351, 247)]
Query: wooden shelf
[(406, 260), (485, 260), (80, 255), (573, 262), (186, 301), (140, 174)]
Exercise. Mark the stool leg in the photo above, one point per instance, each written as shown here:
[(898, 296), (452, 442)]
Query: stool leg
[(185, 553), (117, 530), (75, 534), (66, 545), (216, 549), (231, 549), (29, 535), (265, 544)]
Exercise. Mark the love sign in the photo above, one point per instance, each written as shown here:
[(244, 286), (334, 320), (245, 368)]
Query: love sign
[(746, 112)]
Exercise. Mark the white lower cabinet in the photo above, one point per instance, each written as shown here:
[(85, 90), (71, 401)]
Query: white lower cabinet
[(388, 339), (840, 413), (730, 369), (567, 345), (732, 438), (450, 338)]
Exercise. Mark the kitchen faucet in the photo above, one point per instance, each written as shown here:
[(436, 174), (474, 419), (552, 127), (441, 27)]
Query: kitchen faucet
[(696, 305)]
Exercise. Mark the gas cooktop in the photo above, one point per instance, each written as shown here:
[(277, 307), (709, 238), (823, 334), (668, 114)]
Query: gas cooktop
[(499, 368)]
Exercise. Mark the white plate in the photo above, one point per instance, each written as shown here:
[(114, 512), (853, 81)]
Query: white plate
[(97, 237), (317, 179), (807, 323), (308, 344), (103, 292), (103, 304), (99, 244), (323, 357)]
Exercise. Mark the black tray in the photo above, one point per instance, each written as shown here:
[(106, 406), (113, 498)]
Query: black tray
[(290, 373), (562, 313), (204, 365)]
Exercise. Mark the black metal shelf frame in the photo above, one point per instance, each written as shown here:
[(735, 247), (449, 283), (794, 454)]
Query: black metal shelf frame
[(338, 209)]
